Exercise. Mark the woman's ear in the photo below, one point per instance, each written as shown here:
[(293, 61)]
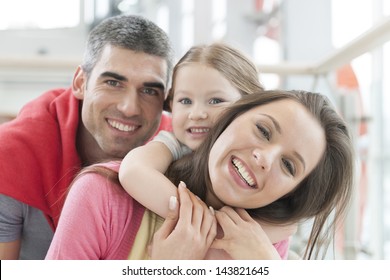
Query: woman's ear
[(79, 83)]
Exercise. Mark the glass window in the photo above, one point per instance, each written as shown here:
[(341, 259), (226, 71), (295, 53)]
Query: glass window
[(39, 14)]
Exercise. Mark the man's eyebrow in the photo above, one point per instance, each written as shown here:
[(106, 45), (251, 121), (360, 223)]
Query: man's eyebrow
[(113, 75), (119, 77), (155, 85)]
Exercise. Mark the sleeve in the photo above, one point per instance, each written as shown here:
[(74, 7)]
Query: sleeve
[(82, 228), (11, 219), (176, 148)]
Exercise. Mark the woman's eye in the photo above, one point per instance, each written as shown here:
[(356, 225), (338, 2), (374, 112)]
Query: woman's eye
[(185, 101), (215, 101), (264, 132), (289, 166)]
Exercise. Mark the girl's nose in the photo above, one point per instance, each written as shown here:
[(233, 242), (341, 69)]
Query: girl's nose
[(197, 114)]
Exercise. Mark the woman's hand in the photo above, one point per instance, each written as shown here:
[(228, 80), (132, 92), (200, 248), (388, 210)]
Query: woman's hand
[(243, 238), (188, 230)]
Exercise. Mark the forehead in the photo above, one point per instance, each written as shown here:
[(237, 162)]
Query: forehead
[(130, 62), (197, 71), (280, 108), (202, 78)]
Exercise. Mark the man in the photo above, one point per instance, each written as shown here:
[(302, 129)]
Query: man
[(114, 104)]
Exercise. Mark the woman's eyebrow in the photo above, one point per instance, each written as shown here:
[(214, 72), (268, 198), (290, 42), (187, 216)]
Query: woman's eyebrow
[(300, 158), (275, 122)]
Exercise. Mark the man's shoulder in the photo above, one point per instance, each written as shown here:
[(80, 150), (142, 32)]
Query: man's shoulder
[(166, 122)]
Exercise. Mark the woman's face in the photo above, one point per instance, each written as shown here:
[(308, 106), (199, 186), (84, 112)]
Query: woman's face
[(264, 154)]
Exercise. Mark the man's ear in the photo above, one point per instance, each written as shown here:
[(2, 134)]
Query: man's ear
[(79, 83)]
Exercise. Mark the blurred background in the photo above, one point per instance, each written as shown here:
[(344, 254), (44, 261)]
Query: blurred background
[(340, 48)]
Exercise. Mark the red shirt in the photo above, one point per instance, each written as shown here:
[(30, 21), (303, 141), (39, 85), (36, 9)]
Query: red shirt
[(38, 156)]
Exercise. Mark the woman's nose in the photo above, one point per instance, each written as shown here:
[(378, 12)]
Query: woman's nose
[(265, 158)]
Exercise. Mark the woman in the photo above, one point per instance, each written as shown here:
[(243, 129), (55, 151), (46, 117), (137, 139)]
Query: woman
[(282, 156)]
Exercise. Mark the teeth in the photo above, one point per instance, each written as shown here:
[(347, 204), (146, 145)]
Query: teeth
[(199, 130), (121, 126), (243, 172)]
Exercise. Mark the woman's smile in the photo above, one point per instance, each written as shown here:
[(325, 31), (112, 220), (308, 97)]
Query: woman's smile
[(245, 175)]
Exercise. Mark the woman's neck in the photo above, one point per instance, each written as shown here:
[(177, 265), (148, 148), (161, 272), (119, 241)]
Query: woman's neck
[(213, 201)]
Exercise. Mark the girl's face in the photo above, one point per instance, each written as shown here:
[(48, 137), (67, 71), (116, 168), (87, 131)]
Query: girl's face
[(264, 154), (200, 95)]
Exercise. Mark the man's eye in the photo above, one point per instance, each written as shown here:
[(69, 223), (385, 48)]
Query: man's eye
[(150, 91), (113, 83), (215, 101), (185, 101)]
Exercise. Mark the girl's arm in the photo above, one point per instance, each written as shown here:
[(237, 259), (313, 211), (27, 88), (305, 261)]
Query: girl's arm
[(142, 176)]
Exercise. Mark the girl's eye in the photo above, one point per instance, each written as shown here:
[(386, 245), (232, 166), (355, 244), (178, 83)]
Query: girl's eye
[(289, 166), (264, 131), (185, 101), (215, 101)]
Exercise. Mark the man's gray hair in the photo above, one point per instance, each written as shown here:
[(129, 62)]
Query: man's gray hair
[(131, 32)]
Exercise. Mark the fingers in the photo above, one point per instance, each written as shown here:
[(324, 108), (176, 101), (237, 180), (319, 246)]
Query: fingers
[(227, 217), (188, 230), (236, 216), (185, 204), (244, 215), (212, 229), (193, 210), (198, 209), (171, 219), (218, 244), (196, 214)]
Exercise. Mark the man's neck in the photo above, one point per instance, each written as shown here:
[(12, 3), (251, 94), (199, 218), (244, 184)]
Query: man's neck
[(87, 148)]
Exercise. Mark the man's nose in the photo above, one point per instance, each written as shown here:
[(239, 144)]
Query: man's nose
[(129, 104)]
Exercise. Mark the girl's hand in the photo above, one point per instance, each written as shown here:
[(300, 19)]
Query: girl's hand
[(243, 237), (188, 230)]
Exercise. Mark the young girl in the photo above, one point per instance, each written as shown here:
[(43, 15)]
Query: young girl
[(205, 81)]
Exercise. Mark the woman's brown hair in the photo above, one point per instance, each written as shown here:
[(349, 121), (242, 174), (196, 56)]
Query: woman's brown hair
[(323, 195)]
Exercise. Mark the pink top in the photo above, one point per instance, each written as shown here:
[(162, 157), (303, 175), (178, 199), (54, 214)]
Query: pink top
[(100, 221)]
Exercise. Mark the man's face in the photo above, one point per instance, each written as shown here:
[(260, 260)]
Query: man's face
[(122, 102)]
